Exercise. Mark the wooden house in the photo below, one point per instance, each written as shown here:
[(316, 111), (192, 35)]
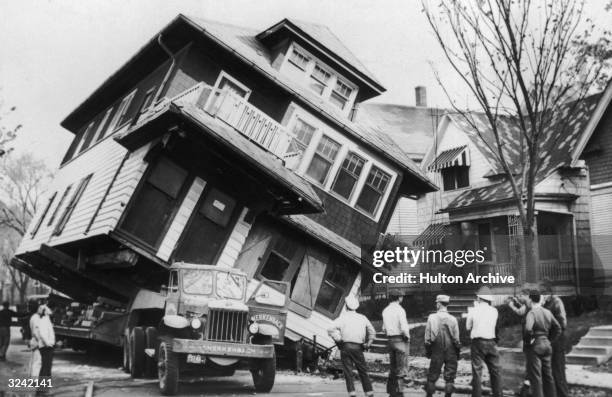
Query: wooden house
[(221, 145)]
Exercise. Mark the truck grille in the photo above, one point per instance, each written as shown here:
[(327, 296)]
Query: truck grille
[(227, 326)]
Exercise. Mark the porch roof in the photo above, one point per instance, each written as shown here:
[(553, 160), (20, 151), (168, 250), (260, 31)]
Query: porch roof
[(306, 199), (433, 234)]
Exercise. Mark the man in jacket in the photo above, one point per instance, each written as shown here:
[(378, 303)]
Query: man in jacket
[(555, 305), (539, 330), (354, 333), (396, 327), (442, 347), (482, 324), (43, 331)]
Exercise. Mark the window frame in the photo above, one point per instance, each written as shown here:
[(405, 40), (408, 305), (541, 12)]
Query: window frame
[(59, 205), (294, 263), (341, 168), (333, 261), (382, 195), (69, 209), (225, 75), (300, 54), (332, 162), (101, 127), (40, 220), (117, 121), (455, 174), (83, 146)]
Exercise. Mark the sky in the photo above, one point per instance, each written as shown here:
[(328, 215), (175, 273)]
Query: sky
[(54, 53)]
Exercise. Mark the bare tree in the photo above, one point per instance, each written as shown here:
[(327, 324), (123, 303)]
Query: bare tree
[(527, 63), (8, 131), (22, 180)]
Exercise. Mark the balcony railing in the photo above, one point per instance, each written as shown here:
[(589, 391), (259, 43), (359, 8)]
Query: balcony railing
[(241, 115)]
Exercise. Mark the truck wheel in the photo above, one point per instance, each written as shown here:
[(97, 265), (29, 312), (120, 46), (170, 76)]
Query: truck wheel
[(168, 369), (126, 355), (137, 354), (150, 368), (264, 371)]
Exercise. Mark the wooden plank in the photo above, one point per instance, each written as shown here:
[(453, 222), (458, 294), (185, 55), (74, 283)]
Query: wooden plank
[(114, 260)]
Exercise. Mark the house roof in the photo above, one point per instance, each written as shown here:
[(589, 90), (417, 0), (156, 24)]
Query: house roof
[(411, 127), (600, 109), (257, 157), (322, 35), (560, 139)]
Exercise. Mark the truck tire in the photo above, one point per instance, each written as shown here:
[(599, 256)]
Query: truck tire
[(264, 372), (137, 354), (126, 355), (168, 369), (150, 368)]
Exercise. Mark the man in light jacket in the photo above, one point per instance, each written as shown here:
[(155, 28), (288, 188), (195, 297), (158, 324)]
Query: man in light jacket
[(396, 327), (43, 331), (33, 343)]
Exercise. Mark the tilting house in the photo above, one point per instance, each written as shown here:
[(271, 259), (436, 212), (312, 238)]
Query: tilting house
[(222, 145), (475, 206)]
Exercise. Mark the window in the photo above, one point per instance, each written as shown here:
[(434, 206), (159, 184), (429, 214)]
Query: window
[(484, 240), (337, 282), (87, 138), (298, 59), (340, 94), (319, 79), (147, 101), (100, 132), (375, 186), (283, 260), (455, 177), (303, 135), (63, 220), (153, 207), (119, 117), (44, 214), (208, 228), (227, 82), (348, 175), (323, 159), (59, 205)]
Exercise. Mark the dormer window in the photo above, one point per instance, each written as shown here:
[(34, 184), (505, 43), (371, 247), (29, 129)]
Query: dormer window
[(341, 94), (454, 166), (319, 79), (298, 59)]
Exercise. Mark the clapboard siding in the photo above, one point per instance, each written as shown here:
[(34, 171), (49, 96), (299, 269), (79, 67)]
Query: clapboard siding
[(234, 244), (102, 161), (601, 232), (404, 220), (181, 219)]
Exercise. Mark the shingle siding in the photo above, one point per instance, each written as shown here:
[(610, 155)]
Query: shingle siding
[(598, 152)]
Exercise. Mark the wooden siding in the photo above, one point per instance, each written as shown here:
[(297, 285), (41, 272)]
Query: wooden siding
[(601, 223), (102, 161), (598, 151), (180, 220), (404, 219), (235, 243)]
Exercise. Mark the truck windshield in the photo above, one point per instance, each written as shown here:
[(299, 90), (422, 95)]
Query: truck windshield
[(230, 285), (197, 282)]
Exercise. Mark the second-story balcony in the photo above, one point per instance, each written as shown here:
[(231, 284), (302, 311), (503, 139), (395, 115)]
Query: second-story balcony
[(238, 113)]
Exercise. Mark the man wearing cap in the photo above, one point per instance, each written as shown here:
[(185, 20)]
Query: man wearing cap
[(353, 333), (539, 330), (555, 305), (482, 324), (442, 346), (396, 327)]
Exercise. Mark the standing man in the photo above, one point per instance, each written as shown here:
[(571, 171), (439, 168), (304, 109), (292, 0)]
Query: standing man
[(482, 324), (396, 327), (442, 345), (43, 331), (353, 333), (6, 319), (539, 330), (555, 305)]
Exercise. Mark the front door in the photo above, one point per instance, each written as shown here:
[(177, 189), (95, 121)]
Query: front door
[(208, 229)]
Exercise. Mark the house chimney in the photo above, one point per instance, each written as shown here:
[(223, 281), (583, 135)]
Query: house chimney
[(421, 95)]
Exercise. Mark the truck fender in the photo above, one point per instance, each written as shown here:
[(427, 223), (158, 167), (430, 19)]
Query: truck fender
[(268, 330), (175, 321)]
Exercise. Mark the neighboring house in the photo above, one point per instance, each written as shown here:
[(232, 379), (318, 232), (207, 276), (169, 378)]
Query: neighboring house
[(475, 209), (222, 145), (412, 128), (595, 148)]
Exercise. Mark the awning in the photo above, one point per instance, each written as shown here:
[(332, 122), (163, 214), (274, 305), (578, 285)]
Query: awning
[(434, 234), (458, 156)]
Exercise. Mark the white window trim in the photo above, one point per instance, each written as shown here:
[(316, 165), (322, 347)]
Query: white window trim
[(121, 110), (346, 146), (102, 124), (224, 74), (307, 72), (82, 142)]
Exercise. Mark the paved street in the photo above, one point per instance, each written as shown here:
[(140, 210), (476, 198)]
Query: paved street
[(73, 370)]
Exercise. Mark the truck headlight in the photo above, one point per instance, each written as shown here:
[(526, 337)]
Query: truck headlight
[(253, 328), (196, 323)]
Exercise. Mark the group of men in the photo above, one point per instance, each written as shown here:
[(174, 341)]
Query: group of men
[(543, 321)]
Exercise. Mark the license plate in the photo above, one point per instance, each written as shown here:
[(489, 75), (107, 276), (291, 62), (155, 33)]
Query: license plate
[(194, 359)]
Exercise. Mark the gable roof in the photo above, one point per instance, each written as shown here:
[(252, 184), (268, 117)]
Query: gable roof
[(411, 127), (598, 112), (332, 46), (560, 140)]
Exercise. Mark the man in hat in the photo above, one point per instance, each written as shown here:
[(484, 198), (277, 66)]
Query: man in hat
[(539, 330), (353, 333), (396, 327), (555, 305), (442, 346), (482, 324)]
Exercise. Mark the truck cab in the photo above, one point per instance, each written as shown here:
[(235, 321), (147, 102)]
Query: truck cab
[(205, 321)]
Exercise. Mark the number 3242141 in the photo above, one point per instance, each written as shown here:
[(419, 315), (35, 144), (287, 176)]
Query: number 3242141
[(29, 383)]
